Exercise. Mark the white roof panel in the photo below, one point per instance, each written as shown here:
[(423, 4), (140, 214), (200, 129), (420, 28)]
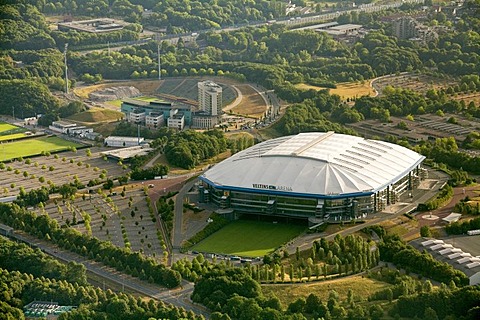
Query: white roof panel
[(319, 163)]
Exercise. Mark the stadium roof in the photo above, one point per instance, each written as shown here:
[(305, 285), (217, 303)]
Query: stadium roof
[(316, 164)]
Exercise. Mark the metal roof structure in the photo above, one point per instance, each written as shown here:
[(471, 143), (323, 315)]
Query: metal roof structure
[(444, 252), (315, 164)]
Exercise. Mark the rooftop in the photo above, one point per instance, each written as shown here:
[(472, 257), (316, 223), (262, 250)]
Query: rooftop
[(445, 252), (318, 163)]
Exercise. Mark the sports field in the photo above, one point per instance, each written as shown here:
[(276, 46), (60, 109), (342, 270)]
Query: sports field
[(249, 238), (30, 147)]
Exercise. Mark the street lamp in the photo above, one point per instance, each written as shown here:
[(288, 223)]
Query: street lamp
[(66, 68)]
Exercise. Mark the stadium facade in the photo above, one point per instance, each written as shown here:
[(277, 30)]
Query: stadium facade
[(317, 176)]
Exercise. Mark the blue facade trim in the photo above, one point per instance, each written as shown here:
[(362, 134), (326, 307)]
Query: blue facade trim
[(288, 194)]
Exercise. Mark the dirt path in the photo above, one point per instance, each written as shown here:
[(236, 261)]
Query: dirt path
[(235, 102)]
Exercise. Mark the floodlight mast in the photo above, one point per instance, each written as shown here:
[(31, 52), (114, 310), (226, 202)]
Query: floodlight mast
[(159, 63), (66, 68)]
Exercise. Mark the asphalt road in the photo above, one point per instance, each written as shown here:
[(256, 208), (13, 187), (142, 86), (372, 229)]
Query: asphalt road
[(177, 225)]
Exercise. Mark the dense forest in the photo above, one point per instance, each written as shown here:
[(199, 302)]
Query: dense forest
[(32, 274)]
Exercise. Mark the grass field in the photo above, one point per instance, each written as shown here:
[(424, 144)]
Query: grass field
[(361, 287), (147, 98), (6, 127), (116, 103), (249, 238), (31, 147), (345, 89), (12, 136), (97, 115)]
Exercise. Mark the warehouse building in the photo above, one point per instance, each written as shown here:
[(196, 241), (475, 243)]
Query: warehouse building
[(319, 176)]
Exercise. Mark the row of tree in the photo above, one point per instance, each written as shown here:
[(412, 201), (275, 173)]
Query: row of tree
[(20, 257), (392, 249), (86, 245), (461, 227)]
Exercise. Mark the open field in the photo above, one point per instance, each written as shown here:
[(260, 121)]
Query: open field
[(249, 238), (35, 146), (361, 287), (146, 98), (416, 82), (12, 136), (345, 89), (116, 103), (252, 104), (6, 127), (97, 115)]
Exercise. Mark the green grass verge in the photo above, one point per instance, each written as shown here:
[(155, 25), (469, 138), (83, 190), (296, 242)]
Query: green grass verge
[(97, 115), (116, 103), (30, 147), (147, 98), (249, 238)]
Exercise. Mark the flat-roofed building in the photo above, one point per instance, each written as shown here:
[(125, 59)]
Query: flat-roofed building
[(177, 121), (154, 120), (137, 116), (202, 120), (132, 107), (100, 25), (116, 141), (61, 126)]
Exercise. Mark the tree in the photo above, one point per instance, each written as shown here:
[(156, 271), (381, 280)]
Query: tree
[(67, 190), (425, 232)]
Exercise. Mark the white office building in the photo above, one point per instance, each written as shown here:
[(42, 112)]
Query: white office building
[(210, 97), (177, 121), (154, 120)]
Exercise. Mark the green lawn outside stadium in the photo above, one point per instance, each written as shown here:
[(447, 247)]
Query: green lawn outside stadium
[(30, 147), (249, 238)]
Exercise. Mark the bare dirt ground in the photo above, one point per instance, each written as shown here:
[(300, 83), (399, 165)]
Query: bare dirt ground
[(252, 103), (145, 87)]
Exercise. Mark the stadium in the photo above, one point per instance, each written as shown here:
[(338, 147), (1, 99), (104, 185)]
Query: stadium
[(319, 176)]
